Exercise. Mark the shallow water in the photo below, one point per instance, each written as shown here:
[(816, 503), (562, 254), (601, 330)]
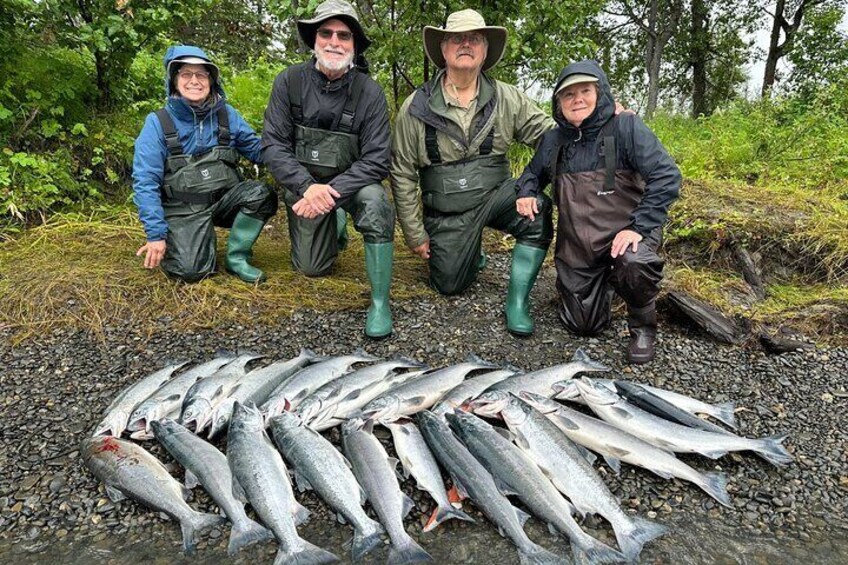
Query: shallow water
[(688, 542)]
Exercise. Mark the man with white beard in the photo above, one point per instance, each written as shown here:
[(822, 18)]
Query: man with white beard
[(326, 141)]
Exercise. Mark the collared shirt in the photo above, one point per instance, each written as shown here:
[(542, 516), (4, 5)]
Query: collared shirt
[(462, 115)]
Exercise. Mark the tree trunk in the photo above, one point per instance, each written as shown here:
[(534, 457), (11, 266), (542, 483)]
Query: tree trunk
[(775, 51), (653, 60), (699, 48)]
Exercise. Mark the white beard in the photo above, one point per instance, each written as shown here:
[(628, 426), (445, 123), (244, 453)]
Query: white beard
[(334, 65)]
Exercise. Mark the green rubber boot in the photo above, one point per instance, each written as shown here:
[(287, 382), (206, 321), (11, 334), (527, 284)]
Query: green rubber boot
[(482, 261), (378, 263), (341, 228), (526, 261), (243, 235)]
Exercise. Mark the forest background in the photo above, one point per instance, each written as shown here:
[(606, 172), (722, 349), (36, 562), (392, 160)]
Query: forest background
[(765, 157)]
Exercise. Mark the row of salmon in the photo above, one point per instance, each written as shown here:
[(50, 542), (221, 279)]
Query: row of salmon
[(540, 457)]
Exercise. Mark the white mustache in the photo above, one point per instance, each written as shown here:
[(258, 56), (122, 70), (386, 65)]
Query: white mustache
[(333, 51)]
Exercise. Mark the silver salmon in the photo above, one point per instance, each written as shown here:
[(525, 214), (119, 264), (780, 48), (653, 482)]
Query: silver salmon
[(128, 470)]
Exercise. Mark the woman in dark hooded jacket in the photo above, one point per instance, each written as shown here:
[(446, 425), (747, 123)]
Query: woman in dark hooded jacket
[(613, 183)]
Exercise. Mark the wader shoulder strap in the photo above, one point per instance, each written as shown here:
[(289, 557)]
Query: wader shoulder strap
[(554, 164), (223, 126), (432, 144), (344, 121), (172, 139), (296, 94), (610, 158)]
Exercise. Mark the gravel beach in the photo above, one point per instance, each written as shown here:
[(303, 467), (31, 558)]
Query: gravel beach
[(54, 389)]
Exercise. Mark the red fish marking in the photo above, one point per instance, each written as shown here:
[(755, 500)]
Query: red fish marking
[(108, 444)]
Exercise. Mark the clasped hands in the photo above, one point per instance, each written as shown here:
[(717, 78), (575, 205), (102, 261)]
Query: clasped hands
[(318, 199)]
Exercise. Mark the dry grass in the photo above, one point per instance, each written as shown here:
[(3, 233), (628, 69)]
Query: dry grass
[(814, 224), (81, 271)]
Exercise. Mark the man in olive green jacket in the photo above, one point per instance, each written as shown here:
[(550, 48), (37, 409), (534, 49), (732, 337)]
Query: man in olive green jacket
[(451, 136)]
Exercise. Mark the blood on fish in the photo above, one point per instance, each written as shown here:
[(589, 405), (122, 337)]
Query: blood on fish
[(109, 444)]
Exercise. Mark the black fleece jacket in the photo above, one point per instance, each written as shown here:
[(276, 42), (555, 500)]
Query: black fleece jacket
[(638, 149), (323, 100)]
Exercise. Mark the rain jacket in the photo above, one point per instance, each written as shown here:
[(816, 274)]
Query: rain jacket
[(322, 101), (198, 132), (638, 150), (512, 114)]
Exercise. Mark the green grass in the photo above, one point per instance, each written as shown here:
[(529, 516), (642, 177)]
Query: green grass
[(80, 270)]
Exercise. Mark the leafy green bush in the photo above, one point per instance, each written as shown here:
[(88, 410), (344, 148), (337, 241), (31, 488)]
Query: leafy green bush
[(36, 182), (782, 142), (40, 95)]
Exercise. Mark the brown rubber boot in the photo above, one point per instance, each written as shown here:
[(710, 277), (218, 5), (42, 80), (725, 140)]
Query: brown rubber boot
[(643, 333)]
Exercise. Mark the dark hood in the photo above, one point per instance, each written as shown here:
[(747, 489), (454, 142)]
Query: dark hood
[(604, 109)]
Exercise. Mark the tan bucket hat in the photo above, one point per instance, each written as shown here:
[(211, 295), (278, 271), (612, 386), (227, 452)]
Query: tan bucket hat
[(459, 22), (337, 9)]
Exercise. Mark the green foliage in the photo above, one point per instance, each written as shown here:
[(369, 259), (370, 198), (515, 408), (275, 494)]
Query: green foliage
[(771, 142), (820, 52), (249, 90), (34, 182), (42, 94)]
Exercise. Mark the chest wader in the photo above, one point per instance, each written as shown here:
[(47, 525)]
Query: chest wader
[(593, 207), (448, 191), (192, 185), (315, 243)]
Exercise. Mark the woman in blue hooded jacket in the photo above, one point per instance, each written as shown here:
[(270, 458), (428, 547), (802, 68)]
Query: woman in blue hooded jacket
[(613, 183), (186, 179)]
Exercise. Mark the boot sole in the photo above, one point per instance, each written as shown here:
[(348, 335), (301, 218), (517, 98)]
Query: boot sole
[(377, 337)]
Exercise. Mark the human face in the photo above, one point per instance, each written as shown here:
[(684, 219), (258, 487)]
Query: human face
[(464, 51), (578, 101), (191, 85), (334, 54)]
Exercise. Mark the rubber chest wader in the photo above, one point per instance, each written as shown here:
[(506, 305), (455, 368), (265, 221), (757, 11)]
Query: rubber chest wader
[(459, 186), (593, 207), (192, 185), (325, 154)]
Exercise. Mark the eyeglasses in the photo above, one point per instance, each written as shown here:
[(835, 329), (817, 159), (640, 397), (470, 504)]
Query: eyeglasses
[(201, 76), (460, 38), (325, 33)]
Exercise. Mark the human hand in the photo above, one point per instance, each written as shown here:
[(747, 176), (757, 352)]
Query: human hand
[(528, 207), (322, 197), (619, 109), (305, 210), (153, 252), (623, 240), (422, 250)]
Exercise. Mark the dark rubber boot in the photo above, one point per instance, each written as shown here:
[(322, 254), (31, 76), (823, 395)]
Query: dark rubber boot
[(643, 333), (482, 261), (341, 228), (526, 261), (243, 235), (378, 263)]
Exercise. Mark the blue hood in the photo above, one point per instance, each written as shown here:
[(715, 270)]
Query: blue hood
[(178, 52)]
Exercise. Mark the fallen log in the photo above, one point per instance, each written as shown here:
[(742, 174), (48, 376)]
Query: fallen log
[(777, 345), (749, 269), (708, 318)]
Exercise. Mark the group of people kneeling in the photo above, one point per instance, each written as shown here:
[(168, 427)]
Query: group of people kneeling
[(327, 142)]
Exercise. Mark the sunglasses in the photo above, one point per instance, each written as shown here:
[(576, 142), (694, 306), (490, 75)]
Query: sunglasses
[(325, 33)]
